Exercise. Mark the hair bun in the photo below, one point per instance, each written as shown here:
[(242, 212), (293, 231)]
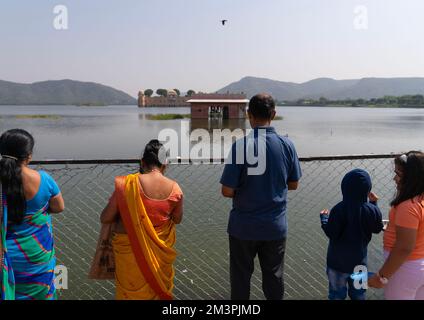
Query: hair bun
[(155, 154)]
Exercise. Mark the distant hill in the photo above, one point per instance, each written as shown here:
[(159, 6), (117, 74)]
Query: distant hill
[(62, 92), (365, 88)]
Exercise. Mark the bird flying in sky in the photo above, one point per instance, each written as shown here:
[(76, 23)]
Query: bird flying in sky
[(223, 22)]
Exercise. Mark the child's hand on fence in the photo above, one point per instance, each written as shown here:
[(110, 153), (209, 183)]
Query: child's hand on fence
[(373, 197), (324, 215)]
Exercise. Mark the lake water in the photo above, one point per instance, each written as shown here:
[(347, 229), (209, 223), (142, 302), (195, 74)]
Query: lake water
[(122, 131)]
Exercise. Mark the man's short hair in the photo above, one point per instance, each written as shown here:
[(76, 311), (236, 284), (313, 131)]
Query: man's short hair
[(261, 106)]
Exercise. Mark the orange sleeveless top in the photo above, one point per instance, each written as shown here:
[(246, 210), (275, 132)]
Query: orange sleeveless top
[(159, 211)]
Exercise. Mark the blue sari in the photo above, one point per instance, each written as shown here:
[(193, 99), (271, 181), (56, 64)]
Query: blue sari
[(7, 280), (28, 269)]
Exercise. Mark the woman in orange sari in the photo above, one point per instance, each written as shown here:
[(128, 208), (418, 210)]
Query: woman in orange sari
[(145, 208)]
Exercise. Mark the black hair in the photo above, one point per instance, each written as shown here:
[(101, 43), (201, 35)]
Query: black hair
[(411, 185), (261, 106), (16, 146), (151, 155)]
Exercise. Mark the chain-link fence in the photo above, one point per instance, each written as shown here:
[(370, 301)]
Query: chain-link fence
[(202, 265)]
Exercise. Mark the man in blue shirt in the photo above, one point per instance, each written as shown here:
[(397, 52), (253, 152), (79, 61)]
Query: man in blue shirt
[(259, 171)]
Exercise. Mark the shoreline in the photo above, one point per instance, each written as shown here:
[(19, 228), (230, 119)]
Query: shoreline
[(350, 106)]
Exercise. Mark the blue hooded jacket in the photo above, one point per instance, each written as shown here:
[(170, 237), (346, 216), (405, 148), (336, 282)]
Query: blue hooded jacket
[(351, 223)]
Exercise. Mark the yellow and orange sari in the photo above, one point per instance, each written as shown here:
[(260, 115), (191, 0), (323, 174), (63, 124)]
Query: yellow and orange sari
[(144, 256)]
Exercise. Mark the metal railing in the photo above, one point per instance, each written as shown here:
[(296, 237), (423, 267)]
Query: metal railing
[(202, 264)]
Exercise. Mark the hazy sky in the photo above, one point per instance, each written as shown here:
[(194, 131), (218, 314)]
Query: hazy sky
[(133, 44)]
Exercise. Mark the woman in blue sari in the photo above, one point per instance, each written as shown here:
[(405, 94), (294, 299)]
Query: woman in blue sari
[(28, 198)]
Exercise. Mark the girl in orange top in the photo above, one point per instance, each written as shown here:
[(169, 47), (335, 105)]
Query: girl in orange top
[(402, 275), (145, 208)]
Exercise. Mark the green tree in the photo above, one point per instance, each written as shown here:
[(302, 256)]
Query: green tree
[(190, 93), (162, 92), (418, 99), (323, 101), (148, 92), (178, 92), (404, 100)]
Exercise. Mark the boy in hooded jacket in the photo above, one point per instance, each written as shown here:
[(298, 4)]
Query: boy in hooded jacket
[(349, 227)]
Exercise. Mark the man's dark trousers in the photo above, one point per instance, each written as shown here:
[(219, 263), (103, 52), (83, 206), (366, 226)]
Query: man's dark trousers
[(271, 259)]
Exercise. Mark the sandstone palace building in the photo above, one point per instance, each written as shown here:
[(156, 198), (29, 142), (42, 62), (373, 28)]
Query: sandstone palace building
[(203, 105), (171, 100)]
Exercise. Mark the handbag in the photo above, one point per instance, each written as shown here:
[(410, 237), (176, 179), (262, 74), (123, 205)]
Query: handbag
[(103, 264)]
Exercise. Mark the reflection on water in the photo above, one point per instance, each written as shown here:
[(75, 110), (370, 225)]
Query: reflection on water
[(212, 138), (218, 123), (412, 118)]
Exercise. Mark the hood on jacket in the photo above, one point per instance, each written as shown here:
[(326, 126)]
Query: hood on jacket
[(356, 185)]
